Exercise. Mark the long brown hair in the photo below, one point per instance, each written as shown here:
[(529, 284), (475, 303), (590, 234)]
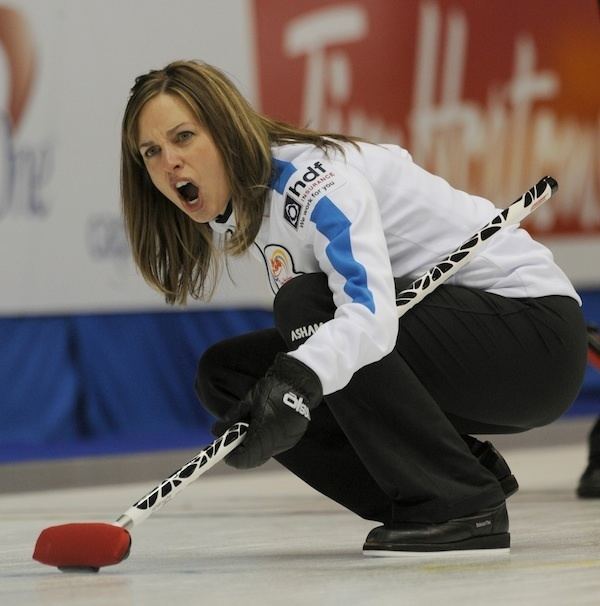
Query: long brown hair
[(175, 254)]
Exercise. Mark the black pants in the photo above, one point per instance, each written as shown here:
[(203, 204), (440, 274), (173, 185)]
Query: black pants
[(388, 446)]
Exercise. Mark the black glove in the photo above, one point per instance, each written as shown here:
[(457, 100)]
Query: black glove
[(277, 409)]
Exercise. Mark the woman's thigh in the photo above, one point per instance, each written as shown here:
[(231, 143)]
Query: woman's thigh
[(514, 363)]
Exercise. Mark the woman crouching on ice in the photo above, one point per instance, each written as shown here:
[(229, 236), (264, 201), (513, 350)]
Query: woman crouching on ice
[(374, 412)]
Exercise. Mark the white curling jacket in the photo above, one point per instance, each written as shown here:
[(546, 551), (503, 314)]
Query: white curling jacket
[(365, 217)]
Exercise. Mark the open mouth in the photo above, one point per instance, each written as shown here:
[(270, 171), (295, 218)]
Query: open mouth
[(187, 191)]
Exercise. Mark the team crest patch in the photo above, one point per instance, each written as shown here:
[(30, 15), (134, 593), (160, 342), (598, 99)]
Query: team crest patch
[(280, 266), (291, 211)]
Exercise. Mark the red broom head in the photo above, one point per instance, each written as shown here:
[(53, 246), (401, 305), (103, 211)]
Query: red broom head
[(87, 546)]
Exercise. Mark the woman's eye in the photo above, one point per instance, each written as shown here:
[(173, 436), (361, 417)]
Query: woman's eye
[(151, 151), (184, 135)]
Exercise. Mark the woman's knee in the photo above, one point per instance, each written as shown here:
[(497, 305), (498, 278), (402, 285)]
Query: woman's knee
[(301, 306), (209, 377), (229, 369)]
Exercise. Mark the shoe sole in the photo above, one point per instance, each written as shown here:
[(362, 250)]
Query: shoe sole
[(496, 544), (504, 551)]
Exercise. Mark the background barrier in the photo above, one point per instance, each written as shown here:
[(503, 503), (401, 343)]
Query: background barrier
[(489, 95)]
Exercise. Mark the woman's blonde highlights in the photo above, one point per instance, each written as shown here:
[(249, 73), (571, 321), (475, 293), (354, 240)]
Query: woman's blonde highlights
[(174, 254)]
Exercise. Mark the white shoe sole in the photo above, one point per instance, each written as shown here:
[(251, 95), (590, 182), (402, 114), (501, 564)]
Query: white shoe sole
[(376, 553)]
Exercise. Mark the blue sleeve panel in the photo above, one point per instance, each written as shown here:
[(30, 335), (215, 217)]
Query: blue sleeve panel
[(282, 171), (332, 223)]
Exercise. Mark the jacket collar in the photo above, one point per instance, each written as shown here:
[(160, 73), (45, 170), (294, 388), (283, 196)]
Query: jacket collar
[(226, 222)]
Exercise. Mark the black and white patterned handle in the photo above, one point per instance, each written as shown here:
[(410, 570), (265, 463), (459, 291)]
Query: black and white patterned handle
[(439, 273), (168, 488), (405, 300)]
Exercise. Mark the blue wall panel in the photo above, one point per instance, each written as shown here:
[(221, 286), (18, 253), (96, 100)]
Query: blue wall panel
[(97, 384), (100, 384)]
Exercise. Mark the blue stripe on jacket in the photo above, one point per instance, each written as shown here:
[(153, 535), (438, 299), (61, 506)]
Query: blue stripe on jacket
[(282, 171), (335, 226)]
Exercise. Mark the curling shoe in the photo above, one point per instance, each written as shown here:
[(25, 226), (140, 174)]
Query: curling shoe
[(589, 483), (482, 533), (491, 459)]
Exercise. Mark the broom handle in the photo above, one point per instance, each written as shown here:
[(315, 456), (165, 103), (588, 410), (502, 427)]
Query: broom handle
[(405, 300)]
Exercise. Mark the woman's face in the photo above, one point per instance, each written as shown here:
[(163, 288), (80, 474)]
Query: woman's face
[(182, 159)]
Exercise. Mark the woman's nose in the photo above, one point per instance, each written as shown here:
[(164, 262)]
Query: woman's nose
[(172, 158)]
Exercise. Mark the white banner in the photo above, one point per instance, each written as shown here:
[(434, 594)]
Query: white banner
[(66, 67), (73, 63)]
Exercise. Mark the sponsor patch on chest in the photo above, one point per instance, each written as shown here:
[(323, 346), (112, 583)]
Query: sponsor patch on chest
[(306, 187)]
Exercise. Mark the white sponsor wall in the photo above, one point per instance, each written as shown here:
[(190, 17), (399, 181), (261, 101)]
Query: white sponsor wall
[(61, 241)]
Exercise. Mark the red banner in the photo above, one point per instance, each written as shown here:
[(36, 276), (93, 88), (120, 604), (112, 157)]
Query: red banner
[(489, 95)]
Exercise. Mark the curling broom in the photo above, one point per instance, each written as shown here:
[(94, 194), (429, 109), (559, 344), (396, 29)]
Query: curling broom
[(89, 546)]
